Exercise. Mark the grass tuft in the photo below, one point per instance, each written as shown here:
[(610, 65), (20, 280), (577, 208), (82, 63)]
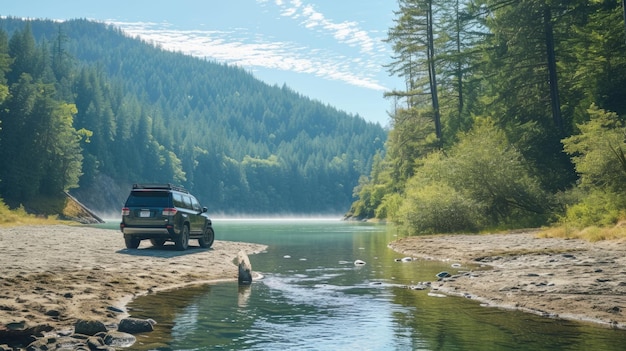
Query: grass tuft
[(591, 234)]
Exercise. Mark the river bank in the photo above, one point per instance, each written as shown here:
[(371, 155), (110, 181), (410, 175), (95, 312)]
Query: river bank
[(562, 278), (55, 275)]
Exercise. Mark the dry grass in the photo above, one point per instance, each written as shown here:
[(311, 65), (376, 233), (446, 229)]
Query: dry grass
[(591, 234), (19, 216)]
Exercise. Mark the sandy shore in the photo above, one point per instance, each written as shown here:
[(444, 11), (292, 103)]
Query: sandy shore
[(570, 279), (57, 274)]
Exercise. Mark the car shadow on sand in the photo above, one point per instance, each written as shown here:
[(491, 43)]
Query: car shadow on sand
[(165, 251)]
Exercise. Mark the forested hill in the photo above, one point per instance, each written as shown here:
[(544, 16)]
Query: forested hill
[(144, 114)]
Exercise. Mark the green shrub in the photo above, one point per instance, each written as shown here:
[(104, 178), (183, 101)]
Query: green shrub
[(598, 208), (438, 208), (389, 207)]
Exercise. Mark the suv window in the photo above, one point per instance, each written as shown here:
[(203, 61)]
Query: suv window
[(195, 204), (187, 201), (178, 200), (148, 199)]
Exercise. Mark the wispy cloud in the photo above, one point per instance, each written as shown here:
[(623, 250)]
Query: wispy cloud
[(355, 58), (346, 32)]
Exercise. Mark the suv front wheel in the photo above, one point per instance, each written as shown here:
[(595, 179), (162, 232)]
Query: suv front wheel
[(207, 239), (182, 241)]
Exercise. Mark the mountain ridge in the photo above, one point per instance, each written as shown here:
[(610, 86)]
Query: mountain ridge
[(246, 146)]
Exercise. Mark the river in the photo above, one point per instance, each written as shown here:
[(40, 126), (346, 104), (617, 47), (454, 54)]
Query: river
[(313, 297)]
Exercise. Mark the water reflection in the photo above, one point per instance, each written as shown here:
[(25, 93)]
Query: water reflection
[(313, 297)]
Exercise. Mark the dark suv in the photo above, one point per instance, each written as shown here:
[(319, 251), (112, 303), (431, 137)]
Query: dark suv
[(162, 212)]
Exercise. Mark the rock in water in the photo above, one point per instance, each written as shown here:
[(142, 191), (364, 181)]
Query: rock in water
[(118, 339), (135, 325), (245, 269)]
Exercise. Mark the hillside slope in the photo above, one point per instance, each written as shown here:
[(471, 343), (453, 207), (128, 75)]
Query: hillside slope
[(241, 145)]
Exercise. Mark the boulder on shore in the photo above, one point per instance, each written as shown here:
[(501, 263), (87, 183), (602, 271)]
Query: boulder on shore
[(135, 325), (21, 332), (87, 327)]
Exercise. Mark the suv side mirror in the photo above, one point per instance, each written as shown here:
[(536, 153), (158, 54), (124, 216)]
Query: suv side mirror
[(204, 209)]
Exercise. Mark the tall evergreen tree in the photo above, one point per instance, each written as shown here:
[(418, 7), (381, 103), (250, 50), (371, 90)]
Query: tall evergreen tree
[(412, 39)]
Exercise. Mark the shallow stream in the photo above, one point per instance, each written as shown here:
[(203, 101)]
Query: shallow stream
[(313, 297)]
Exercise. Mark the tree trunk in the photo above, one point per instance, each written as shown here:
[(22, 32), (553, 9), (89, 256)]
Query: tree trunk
[(552, 72), (432, 74)]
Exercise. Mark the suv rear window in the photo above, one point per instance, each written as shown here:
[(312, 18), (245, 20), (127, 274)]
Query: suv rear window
[(148, 199)]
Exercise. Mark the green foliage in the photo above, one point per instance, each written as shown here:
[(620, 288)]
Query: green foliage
[(372, 192), (598, 151), (494, 173), (598, 154), (389, 207), (596, 208), (481, 182), (438, 208), (534, 67)]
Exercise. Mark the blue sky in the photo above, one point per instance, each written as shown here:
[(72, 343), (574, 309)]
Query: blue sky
[(328, 50)]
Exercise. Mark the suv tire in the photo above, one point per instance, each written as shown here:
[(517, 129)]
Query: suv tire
[(207, 239), (131, 242), (182, 241), (157, 242)]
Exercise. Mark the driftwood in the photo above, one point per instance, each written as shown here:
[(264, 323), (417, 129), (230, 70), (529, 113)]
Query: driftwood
[(245, 269)]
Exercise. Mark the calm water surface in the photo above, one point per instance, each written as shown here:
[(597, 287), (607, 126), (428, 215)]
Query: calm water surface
[(313, 297)]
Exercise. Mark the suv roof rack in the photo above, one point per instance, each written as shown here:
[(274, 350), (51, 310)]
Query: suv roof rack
[(168, 186)]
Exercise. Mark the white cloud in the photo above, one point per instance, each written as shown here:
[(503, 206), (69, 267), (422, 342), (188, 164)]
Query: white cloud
[(346, 32), (357, 63)]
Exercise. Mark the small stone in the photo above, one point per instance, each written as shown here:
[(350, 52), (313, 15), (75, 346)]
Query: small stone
[(53, 313), (115, 309), (86, 327), (442, 275), (615, 309)]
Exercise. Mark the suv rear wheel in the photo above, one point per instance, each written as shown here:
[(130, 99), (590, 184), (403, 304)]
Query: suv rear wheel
[(182, 241), (131, 242), (207, 239)]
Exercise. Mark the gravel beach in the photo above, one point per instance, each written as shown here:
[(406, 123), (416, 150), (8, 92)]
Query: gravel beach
[(57, 274), (562, 278)]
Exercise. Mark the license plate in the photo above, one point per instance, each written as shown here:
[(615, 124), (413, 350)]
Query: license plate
[(144, 214)]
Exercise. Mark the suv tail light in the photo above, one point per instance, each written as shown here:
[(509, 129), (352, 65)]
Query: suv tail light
[(169, 211), (125, 211)]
